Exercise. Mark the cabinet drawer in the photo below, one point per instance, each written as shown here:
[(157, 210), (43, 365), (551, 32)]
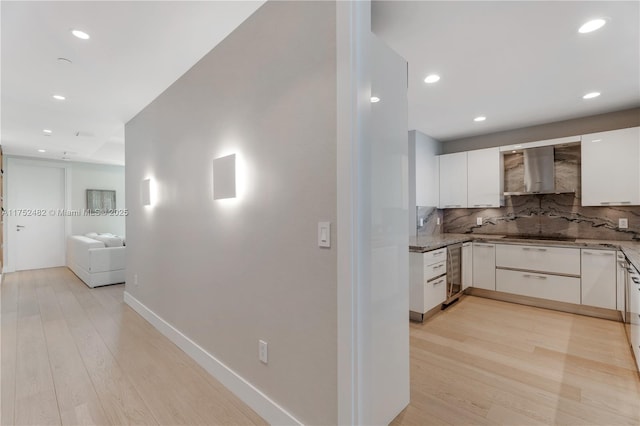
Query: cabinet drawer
[(435, 256), (435, 293), (432, 271), (544, 286), (554, 260)]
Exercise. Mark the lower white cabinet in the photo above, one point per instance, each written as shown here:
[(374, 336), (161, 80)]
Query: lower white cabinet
[(536, 284), (428, 280), (467, 265), (484, 266), (553, 260), (634, 313), (599, 278)]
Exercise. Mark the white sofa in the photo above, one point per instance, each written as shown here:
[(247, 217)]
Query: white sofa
[(95, 263)]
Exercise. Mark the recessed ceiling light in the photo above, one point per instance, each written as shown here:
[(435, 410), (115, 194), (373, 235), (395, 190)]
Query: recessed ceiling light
[(42, 150), (480, 118), (513, 151), (591, 95), (375, 99), (592, 25), (59, 97), (47, 131), (432, 78), (80, 34)]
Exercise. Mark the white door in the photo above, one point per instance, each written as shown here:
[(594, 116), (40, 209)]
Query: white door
[(36, 229)]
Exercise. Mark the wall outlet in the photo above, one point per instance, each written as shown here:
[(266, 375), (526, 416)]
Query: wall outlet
[(623, 223), (438, 220), (478, 221), (262, 351)]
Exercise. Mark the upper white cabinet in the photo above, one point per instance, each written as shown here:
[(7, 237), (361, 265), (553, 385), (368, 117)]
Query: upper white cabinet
[(611, 168), (485, 178), (453, 180)]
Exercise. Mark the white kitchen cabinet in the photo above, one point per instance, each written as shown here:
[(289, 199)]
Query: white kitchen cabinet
[(599, 278), (540, 285), (428, 281), (453, 180), (634, 313), (611, 168), (485, 178), (484, 266), (467, 265), (621, 281), (552, 260)]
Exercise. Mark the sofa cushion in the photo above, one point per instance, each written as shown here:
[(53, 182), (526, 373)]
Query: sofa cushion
[(109, 240)]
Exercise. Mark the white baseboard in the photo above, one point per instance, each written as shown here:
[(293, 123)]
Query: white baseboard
[(249, 394)]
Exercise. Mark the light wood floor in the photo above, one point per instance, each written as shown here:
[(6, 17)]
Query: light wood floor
[(485, 362), (74, 355), (79, 356)]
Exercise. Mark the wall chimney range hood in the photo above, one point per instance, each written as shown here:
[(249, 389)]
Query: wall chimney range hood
[(533, 171)]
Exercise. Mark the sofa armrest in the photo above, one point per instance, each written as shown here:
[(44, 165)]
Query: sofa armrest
[(106, 259)]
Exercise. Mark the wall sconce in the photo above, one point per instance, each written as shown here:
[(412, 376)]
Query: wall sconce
[(145, 192), (224, 177)]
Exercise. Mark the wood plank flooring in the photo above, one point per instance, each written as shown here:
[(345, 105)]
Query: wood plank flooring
[(79, 356), (486, 362)]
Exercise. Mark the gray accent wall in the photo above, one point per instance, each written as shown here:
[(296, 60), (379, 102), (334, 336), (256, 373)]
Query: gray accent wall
[(577, 126), (227, 273)]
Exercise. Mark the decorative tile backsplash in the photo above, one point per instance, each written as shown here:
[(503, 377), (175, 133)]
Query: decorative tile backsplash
[(428, 223), (549, 215)]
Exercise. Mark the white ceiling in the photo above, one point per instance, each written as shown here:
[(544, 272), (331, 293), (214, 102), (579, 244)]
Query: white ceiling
[(137, 49), (518, 63)]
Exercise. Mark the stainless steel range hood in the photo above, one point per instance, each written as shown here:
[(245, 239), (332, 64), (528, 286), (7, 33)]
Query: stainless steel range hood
[(539, 172)]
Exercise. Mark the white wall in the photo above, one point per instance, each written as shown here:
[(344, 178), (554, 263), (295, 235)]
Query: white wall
[(227, 273), (85, 176)]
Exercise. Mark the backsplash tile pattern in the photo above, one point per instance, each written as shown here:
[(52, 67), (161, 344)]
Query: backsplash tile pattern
[(429, 216), (549, 215)]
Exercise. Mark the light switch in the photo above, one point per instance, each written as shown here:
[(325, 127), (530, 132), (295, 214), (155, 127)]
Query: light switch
[(478, 221), (623, 223), (324, 234)]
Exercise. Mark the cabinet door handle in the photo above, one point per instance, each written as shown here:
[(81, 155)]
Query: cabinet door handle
[(635, 280), (538, 277), (451, 205), (531, 248), (482, 205), (598, 253), (606, 203), (438, 266), (440, 281), (483, 245)]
